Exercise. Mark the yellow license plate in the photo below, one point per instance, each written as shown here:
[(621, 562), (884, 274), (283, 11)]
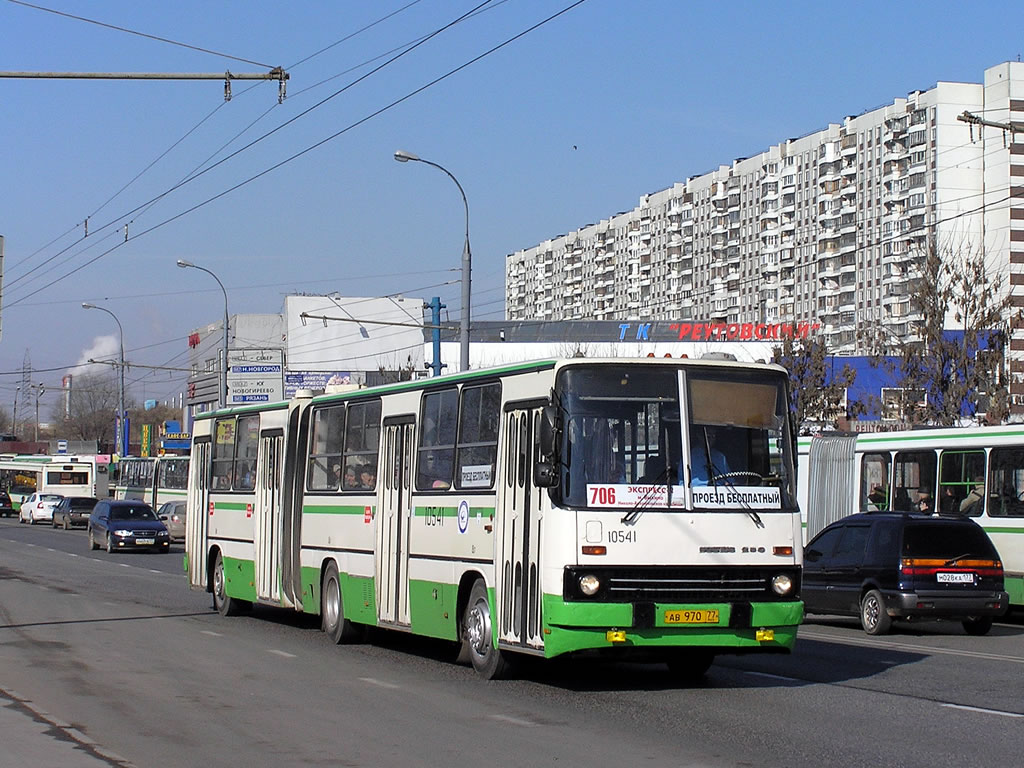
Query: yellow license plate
[(699, 616)]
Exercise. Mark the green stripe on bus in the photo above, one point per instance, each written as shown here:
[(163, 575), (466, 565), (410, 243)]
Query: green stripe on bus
[(335, 509), (238, 506), (997, 529)]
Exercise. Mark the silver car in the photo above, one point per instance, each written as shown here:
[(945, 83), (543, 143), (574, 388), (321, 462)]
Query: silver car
[(172, 514), (38, 508)]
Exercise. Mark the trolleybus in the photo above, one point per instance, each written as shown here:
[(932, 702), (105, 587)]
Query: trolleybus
[(154, 479), (542, 508), (975, 472)]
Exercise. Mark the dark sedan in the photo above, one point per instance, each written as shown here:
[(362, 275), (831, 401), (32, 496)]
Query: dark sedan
[(73, 511), (124, 524), (6, 507)]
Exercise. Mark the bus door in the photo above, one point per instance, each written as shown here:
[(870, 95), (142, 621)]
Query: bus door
[(197, 519), (517, 581), (266, 526), (293, 486), (394, 517)]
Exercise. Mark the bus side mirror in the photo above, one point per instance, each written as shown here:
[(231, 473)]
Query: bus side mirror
[(546, 438), (544, 475)]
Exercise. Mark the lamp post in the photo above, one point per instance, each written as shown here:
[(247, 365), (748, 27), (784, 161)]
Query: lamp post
[(121, 441), (404, 157), (14, 414), (224, 363), (39, 393)]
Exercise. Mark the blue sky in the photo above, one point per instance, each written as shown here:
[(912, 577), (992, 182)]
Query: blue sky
[(566, 125)]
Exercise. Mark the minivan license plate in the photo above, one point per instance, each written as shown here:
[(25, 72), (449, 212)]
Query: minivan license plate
[(955, 578)]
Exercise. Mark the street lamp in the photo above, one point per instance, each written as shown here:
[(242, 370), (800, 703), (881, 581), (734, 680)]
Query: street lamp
[(404, 157), (224, 366), (14, 414), (121, 443)]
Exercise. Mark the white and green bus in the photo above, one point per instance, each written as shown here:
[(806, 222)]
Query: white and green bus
[(153, 479), (975, 472), (543, 508), (23, 475)]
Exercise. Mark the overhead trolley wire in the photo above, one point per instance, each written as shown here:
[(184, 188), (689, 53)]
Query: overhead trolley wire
[(312, 147)]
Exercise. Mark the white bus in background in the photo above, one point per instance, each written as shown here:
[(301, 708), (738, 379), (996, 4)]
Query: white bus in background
[(542, 508), (975, 472), (23, 475)]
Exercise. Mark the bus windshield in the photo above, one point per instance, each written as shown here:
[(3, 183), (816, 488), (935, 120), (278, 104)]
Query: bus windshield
[(622, 438)]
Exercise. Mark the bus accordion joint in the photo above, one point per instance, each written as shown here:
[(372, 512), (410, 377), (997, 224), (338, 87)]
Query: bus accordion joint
[(595, 550), (764, 635), (615, 636)]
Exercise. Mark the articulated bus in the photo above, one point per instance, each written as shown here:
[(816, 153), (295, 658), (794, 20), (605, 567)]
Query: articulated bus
[(154, 479), (542, 508), (24, 475), (975, 472)]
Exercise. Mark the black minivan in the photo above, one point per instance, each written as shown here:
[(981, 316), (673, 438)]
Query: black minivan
[(885, 565)]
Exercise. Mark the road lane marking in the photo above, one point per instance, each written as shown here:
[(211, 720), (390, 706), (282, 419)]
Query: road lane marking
[(282, 653), (513, 720), (380, 683), (912, 647), (982, 710), (209, 632), (774, 677)]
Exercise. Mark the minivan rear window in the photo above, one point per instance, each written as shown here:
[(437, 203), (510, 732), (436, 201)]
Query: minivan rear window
[(946, 541)]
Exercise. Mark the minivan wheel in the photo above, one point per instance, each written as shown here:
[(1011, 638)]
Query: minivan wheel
[(873, 617), (978, 625)]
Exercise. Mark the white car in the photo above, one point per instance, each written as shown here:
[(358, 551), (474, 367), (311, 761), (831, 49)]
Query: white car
[(38, 508)]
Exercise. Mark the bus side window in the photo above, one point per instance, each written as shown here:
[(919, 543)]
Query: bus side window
[(874, 482)]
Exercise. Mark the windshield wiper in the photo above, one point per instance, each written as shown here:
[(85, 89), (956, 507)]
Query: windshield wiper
[(958, 558), (634, 514), (751, 513)]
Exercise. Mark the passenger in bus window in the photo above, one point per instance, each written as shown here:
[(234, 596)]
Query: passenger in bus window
[(975, 499), (925, 503), (368, 478), (707, 461), (336, 476), (876, 499), (351, 480)]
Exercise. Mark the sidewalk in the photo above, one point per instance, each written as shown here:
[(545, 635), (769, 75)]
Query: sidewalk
[(32, 737)]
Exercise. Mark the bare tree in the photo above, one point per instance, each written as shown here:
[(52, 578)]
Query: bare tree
[(92, 409), (817, 390), (945, 375)]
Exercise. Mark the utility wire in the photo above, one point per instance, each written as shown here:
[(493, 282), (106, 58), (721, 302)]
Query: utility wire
[(140, 34), (305, 151), (193, 177)]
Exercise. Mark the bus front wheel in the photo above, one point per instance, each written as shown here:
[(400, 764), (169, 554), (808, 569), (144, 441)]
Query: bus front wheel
[(332, 610), (478, 635)]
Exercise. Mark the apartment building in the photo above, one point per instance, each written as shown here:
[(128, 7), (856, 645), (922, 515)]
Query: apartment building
[(827, 229)]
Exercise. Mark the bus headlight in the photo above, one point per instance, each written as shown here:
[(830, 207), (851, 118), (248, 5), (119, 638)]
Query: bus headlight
[(782, 584), (589, 584)]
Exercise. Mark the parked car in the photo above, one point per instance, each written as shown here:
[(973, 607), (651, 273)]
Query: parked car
[(172, 514), (882, 566), (6, 508), (73, 511), (126, 524), (38, 508)]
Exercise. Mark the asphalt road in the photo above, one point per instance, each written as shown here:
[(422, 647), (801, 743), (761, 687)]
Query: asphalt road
[(112, 660)]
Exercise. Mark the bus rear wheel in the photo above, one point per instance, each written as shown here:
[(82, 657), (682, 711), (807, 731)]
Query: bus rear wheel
[(226, 606), (332, 610), (478, 635)]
